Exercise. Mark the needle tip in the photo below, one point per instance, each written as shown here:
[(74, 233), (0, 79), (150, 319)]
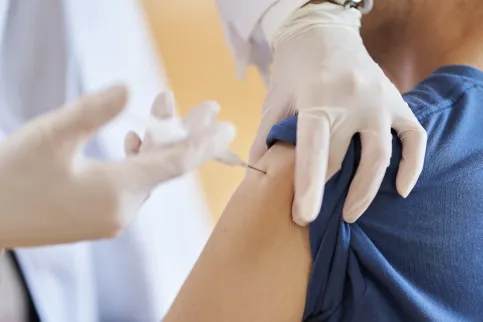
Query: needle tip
[(253, 168)]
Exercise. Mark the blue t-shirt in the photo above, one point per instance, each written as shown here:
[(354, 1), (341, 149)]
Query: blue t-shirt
[(414, 259)]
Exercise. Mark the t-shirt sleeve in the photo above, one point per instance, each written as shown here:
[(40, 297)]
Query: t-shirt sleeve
[(406, 259), (351, 280), (338, 284), (329, 236)]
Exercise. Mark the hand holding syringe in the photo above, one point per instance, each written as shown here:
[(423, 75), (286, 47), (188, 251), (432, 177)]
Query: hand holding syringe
[(163, 127)]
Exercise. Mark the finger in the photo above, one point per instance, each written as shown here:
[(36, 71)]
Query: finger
[(88, 114), (164, 127), (162, 132), (311, 159), (414, 140), (132, 144), (201, 116), (339, 143), (147, 170), (164, 105), (375, 158), (270, 117)]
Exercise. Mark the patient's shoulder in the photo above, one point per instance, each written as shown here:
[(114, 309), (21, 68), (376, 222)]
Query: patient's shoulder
[(278, 162), (274, 190)]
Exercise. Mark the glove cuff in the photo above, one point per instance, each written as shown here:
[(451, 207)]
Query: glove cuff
[(316, 15), (365, 6)]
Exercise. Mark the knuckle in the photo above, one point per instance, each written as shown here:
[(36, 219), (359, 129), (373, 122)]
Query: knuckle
[(382, 154), (421, 133), (358, 81), (420, 136), (112, 232), (323, 78), (381, 86), (82, 102), (185, 164), (187, 157), (417, 133), (180, 163), (118, 210), (116, 226)]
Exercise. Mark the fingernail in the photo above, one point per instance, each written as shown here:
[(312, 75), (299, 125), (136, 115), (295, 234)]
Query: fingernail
[(303, 214), (404, 189), (117, 94), (404, 194), (300, 221), (350, 216), (115, 91), (164, 105)]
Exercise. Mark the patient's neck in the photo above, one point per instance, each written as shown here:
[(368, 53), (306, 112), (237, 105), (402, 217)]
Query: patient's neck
[(432, 42)]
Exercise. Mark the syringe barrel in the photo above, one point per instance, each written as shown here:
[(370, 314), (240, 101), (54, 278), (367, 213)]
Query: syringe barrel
[(165, 131), (162, 131), (170, 130), (231, 159)]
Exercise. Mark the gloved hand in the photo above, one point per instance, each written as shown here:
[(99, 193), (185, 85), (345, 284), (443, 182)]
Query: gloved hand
[(50, 194), (323, 72), (163, 127)]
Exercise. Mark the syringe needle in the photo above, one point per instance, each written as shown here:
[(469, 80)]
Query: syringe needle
[(253, 168)]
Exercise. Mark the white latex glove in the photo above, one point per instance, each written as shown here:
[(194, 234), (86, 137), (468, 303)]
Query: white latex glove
[(163, 127), (49, 194), (323, 72)]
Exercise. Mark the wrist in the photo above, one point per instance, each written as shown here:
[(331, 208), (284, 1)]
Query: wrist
[(365, 6), (277, 15), (318, 17)]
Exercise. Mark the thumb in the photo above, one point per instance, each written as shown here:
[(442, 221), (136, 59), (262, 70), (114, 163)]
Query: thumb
[(85, 116)]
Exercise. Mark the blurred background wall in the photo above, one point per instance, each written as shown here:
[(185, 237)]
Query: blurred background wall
[(200, 67)]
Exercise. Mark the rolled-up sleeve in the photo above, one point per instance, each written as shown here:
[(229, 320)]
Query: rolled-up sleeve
[(250, 26)]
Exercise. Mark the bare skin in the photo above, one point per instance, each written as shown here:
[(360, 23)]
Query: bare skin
[(256, 264), (410, 39)]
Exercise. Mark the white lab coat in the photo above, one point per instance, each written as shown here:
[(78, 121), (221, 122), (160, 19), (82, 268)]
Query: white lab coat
[(136, 276), (250, 27)]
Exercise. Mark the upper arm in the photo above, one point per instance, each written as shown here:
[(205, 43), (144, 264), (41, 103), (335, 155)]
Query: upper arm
[(256, 264)]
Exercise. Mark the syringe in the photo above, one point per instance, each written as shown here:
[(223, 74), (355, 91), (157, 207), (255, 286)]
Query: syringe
[(164, 131), (232, 159)]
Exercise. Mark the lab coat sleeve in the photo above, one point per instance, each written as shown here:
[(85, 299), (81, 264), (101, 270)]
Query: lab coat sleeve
[(139, 273), (4, 4), (250, 26)]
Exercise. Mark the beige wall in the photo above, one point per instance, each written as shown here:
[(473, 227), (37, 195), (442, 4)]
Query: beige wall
[(200, 67)]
